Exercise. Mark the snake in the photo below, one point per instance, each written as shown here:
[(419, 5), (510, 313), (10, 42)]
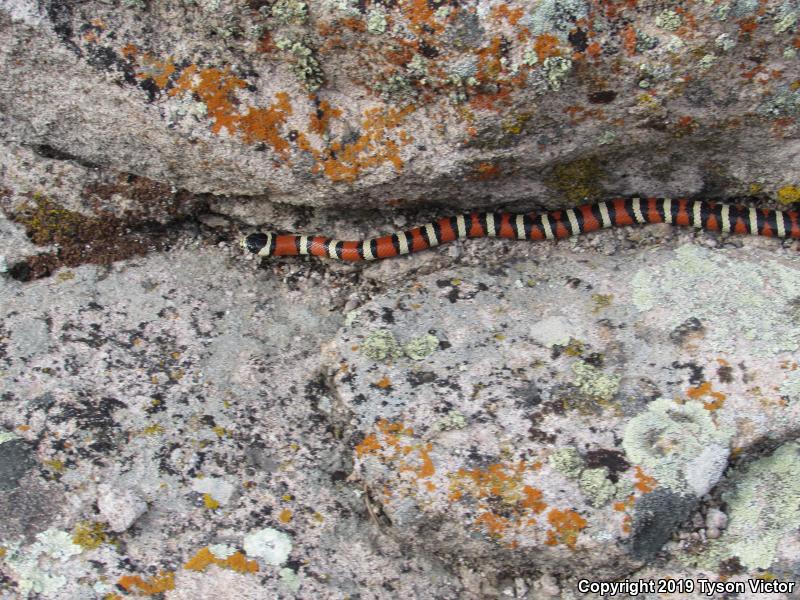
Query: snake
[(555, 224)]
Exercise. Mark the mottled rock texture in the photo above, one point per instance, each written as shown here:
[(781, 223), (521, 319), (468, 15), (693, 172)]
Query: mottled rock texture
[(486, 419), (351, 103)]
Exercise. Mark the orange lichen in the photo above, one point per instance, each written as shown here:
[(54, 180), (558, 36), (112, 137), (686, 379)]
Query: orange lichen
[(495, 525), (236, 562), (285, 515), (383, 383), (321, 118), (629, 40), (262, 124), (703, 390), (343, 162), (215, 88), (421, 16), (512, 15), (486, 171), (156, 70), (545, 46), (747, 25), (644, 483), (129, 50), (159, 584), (567, 524)]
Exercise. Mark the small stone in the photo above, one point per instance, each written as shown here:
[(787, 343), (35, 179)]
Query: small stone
[(120, 508), (716, 519)]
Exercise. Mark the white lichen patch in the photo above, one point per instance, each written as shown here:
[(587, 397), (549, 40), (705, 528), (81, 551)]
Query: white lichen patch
[(270, 545), (221, 551), (763, 507), (31, 568), (689, 287), (679, 445), (219, 489)]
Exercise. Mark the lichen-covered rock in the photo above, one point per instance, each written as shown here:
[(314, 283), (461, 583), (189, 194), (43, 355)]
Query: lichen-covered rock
[(575, 411), (353, 103)]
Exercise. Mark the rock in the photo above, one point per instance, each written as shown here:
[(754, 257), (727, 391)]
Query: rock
[(15, 461), (464, 104), (120, 508), (549, 373)]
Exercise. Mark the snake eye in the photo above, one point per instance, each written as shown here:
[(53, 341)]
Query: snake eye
[(255, 242)]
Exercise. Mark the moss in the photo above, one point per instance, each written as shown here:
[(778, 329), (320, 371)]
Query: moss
[(381, 345), (593, 382), (679, 445), (596, 486), (577, 180), (567, 461)]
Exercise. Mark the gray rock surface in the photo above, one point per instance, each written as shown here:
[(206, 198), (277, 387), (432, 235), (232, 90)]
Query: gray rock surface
[(522, 416), (483, 420), (342, 103)]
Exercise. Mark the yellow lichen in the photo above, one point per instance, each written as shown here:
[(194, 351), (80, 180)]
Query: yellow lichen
[(789, 194), (159, 584), (236, 562), (90, 535)]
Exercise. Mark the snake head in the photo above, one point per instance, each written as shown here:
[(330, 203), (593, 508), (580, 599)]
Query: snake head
[(258, 243)]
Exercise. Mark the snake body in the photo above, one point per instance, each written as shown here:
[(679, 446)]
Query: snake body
[(557, 224)]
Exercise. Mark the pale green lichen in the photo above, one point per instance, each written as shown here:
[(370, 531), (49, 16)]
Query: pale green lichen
[(567, 461), (376, 21), (53, 544), (593, 382), (559, 15), (707, 61), (607, 137), (421, 347), (791, 387), (679, 445), (787, 23), (222, 551), (306, 67), (645, 41), (381, 345), (452, 420), (763, 507), (685, 287), (596, 486), (556, 69), (725, 41), (7, 436), (669, 20), (290, 11), (270, 545), (289, 579), (530, 57)]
